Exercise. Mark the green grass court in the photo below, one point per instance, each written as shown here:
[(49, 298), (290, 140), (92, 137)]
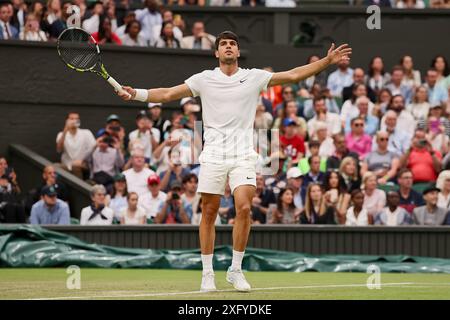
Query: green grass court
[(47, 283)]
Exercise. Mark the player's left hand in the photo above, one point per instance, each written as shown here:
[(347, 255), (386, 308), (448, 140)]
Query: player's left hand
[(341, 53)]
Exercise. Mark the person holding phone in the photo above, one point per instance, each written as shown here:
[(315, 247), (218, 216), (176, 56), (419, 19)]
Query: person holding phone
[(173, 210), (32, 31)]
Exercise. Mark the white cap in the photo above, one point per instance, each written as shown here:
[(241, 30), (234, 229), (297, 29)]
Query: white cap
[(195, 107), (154, 104), (294, 172)]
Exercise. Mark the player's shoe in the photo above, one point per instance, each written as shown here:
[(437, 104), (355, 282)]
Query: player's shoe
[(237, 279), (208, 283)]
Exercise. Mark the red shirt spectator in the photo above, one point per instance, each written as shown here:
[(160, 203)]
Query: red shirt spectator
[(114, 38), (291, 140)]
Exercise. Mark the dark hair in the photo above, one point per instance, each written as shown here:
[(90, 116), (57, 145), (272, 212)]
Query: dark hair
[(355, 192), (318, 99), (130, 194), (128, 26), (226, 35), (397, 68), (402, 171), (280, 202), (188, 178), (310, 159), (357, 118), (381, 92), (341, 183), (101, 29), (72, 112), (313, 143), (114, 191), (310, 57), (353, 99), (446, 71), (370, 72)]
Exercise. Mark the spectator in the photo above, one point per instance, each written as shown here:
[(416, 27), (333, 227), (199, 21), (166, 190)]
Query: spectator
[(32, 30), (190, 196), (409, 198), (105, 33), (273, 94), (151, 201), (264, 197), (159, 123), (132, 35), (75, 145), (340, 78), (349, 172), (60, 24), (357, 215), (287, 95), (326, 143), (53, 11), (384, 98), (161, 153), (117, 201), (133, 214), (92, 24), (442, 67), (175, 172), (374, 199), (167, 16), (19, 13), (377, 77), (316, 93), (145, 135), (173, 210), (199, 40), (405, 121), (305, 86), (294, 182), (291, 142), (362, 111), (358, 78), (263, 119), (313, 176), (289, 111), (286, 212), (50, 210), (358, 141), (97, 213), (420, 106), (422, 159), (116, 131), (336, 195), (322, 114), (443, 183), (7, 31), (127, 18), (381, 3), (149, 17), (399, 141), (341, 152), (314, 150), (190, 109), (138, 174), (430, 214), (436, 128), (411, 77), (382, 162), (410, 4), (200, 3), (167, 38), (437, 93), (49, 179), (349, 109), (393, 214), (397, 87), (11, 210), (316, 211)]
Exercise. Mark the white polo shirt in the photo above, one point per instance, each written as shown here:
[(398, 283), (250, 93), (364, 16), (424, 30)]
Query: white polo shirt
[(151, 204), (137, 181)]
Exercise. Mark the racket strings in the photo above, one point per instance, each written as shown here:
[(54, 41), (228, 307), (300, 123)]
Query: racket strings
[(77, 49)]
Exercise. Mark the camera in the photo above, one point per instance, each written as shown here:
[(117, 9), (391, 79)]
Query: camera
[(108, 140), (175, 196), (115, 128), (422, 142)]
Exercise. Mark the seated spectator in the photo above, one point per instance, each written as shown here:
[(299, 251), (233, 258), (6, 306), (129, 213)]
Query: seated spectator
[(316, 93), (410, 4), (326, 143), (173, 210), (50, 209), (199, 40), (349, 171), (382, 162), (437, 128), (341, 152), (399, 141), (151, 201), (341, 78), (105, 161), (200, 3), (7, 30), (92, 23), (138, 174), (159, 123), (374, 199), (263, 119), (377, 77), (381, 3), (405, 121), (437, 93), (370, 122), (305, 86), (409, 198), (442, 67), (127, 18), (358, 141), (133, 214), (272, 96), (384, 98), (313, 176), (316, 211), (32, 30), (167, 38), (322, 114), (294, 182), (430, 214), (358, 78), (167, 16), (49, 178), (291, 142), (97, 213), (443, 183), (393, 215), (190, 109), (357, 215), (105, 33), (287, 95), (423, 161), (336, 194), (132, 35), (264, 197), (149, 17), (286, 212), (75, 145), (117, 200), (350, 108), (11, 209), (313, 150), (145, 135), (420, 106), (175, 172), (397, 87), (60, 24), (411, 77), (289, 111), (190, 195)]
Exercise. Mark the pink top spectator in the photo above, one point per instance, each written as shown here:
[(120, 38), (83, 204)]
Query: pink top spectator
[(361, 145)]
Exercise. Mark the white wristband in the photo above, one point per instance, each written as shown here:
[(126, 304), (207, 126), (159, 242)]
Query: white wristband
[(141, 95)]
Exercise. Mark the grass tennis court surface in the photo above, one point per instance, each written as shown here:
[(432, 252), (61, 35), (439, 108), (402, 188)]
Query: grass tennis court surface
[(49, 283)]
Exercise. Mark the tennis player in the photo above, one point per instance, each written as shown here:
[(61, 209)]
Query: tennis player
[(229, 96)]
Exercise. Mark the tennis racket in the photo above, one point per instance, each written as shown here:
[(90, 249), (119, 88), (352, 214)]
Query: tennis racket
[(79, 51)]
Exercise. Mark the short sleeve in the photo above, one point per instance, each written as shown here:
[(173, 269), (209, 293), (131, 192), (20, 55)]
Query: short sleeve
[(195, 83), (263, 78)]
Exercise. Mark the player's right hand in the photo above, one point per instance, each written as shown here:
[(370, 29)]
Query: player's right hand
[(124, 96)]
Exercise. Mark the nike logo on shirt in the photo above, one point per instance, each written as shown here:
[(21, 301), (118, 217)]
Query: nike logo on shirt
[(243, 80)]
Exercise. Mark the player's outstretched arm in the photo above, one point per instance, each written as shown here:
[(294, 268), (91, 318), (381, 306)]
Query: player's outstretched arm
[(161, 95), (295, 75)]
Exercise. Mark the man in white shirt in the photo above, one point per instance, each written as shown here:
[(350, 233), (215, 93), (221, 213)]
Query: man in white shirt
[(322, 115), (199, 40), (167, 16), (92, 24), (149, 18), (229, 96), (145, 135), (7, 31), (75, 145), (405, 120), (339, 79), (138, 174), (151, 201)]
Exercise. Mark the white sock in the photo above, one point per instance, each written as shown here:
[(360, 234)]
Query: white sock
[(236, 263), (207, 262)]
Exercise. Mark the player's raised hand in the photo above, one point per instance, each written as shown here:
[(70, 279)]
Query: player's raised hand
[(341, 53), (128, 93)]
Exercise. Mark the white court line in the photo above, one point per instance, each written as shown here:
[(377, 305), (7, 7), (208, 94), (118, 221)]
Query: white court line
[(227, 290)]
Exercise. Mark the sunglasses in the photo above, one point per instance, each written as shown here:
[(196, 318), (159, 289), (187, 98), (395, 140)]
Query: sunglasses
[(383, 139), (358, 124)]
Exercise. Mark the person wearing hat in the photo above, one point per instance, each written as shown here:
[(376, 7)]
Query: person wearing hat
[(294, 181), (430, 214), (50, 209), (159, 122), (117, 200), (145, 135), (174, 209), (152, 200), (291, 142), (116, 131), (190, 107)]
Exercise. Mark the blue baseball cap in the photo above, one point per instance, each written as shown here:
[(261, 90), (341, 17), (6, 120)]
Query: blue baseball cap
[(288, 122)]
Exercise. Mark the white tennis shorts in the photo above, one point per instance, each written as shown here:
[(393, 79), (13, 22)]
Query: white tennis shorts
[(214, 173)]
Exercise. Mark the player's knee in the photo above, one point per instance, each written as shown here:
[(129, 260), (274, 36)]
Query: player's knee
[(243, 210)]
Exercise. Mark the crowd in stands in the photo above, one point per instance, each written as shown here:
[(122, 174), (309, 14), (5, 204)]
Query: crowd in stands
[(119, 22), (356, 147)]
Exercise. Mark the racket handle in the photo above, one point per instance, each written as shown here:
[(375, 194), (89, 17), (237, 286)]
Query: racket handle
[(116, 85)]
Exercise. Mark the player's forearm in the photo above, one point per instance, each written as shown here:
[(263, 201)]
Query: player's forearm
[(306, 71)]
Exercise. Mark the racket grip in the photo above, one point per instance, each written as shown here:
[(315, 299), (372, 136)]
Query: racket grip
[(116, 85)]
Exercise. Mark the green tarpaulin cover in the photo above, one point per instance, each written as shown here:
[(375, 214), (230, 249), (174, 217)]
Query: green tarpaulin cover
[(33, 246)]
